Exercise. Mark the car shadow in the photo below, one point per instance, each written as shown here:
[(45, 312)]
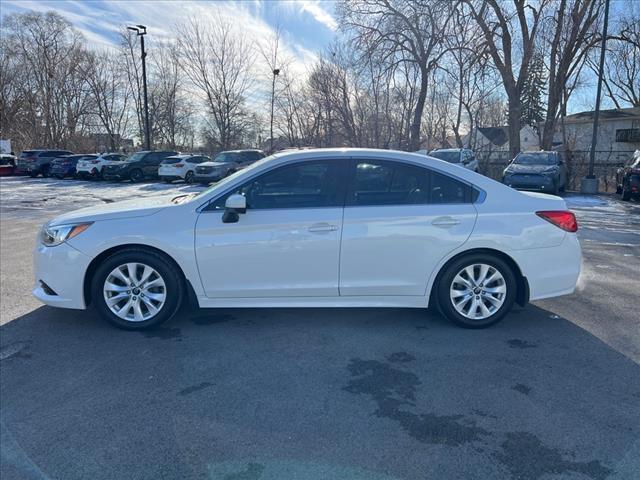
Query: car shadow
[(530, 397)]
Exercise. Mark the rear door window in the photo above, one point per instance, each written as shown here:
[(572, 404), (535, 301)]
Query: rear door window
[(381, 182)]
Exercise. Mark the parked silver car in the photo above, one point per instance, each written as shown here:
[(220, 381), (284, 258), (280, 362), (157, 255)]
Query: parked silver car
[(543, 171)]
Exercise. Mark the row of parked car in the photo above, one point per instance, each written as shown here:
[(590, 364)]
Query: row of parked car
[(165, 165)]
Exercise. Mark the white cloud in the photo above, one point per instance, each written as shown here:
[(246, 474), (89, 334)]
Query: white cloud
[(318, 13)]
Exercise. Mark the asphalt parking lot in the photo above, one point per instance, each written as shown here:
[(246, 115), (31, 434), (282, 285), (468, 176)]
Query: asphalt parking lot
[(553, 391)]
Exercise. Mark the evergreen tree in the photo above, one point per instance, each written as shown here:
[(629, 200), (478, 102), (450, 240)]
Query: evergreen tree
[(533, 91)]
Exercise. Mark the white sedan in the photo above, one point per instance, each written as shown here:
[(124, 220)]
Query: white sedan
[(316, 228)]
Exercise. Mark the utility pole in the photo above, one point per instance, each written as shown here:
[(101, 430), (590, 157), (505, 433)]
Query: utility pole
[(141, 31), (590, 182), (276, 72)]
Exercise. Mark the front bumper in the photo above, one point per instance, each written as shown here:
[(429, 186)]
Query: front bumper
[(61, 269), (541, 183)]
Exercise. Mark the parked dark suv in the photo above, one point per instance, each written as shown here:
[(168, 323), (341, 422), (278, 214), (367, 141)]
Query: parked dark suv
[(543, 171), (38, 162), (137, 167), (628, 178)]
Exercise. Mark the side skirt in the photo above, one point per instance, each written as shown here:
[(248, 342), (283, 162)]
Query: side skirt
[(315, 302)]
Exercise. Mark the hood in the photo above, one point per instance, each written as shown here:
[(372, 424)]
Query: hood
[(140, 207), (516, 168)]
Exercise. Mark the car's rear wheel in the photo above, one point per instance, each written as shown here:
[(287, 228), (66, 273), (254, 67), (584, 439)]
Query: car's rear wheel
[(136, 289), (136, 175), (626, 194), (476, 291)]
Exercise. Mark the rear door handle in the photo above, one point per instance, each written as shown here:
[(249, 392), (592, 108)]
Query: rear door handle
[(322, 227), (445, 222)]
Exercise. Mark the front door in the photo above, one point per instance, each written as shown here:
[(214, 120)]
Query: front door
[(287, 244), (400, 221)]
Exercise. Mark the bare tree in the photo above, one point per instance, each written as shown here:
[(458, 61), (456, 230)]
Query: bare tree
[(623, 60), (401, 31), (173, 110), (51, 52), (569, 36), (111, 96), (510, 30), (218, 60)]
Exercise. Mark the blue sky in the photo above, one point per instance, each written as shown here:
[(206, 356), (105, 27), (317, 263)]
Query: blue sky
[(307, 26)]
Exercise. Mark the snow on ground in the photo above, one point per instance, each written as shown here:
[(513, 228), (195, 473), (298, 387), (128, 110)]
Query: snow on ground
[(29, 197), (605, 220)]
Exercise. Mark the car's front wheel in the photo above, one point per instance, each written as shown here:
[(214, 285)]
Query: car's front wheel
[(476, 291), (136, 175), (188, 178), (136, 289)]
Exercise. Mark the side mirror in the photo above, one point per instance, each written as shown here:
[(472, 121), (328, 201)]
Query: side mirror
[(234, 206)]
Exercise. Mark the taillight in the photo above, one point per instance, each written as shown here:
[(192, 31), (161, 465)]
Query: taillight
[(178, 165), (560, 218)]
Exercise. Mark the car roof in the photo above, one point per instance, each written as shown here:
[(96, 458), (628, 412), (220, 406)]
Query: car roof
[(448, 149), (240, 151)]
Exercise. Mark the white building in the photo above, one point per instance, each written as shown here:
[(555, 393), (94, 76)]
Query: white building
[(491, 144), (618, 134)]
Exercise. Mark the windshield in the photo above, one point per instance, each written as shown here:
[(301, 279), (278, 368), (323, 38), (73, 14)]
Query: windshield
[(225, 157), (447, 156), (136, 156), (535, 159)]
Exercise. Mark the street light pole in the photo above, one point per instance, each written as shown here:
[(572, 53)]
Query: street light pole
[(590, 183), (276, 72), (141, 31)]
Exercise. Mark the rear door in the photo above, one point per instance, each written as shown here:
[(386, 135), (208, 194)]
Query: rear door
[(400, 220)]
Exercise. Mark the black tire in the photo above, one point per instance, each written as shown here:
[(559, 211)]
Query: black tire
[(45, 171), (618, 189), (626, 194), (168, 180), (188, 178), (166, 269), (34, 174), (136, 175), (445, 280)]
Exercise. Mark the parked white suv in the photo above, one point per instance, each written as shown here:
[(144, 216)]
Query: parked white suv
[(92, 168), (316, 228), (180, 167)]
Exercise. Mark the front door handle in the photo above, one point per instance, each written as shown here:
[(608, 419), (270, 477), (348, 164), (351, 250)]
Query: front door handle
[(445, 222), (322, 227)]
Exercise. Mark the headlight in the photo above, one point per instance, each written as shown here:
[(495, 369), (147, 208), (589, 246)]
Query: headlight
[(50, 236)]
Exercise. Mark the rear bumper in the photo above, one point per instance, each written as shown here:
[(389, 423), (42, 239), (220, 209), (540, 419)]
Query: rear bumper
[(551, 271), (170, 177), (199, 178), (59, 275)]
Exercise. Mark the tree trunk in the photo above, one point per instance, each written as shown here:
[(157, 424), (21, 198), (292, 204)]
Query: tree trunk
[(414, 135), (514, 123)]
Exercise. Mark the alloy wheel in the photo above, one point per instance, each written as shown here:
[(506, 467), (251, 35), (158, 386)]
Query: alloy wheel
[(478, 291), (134, 292)]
